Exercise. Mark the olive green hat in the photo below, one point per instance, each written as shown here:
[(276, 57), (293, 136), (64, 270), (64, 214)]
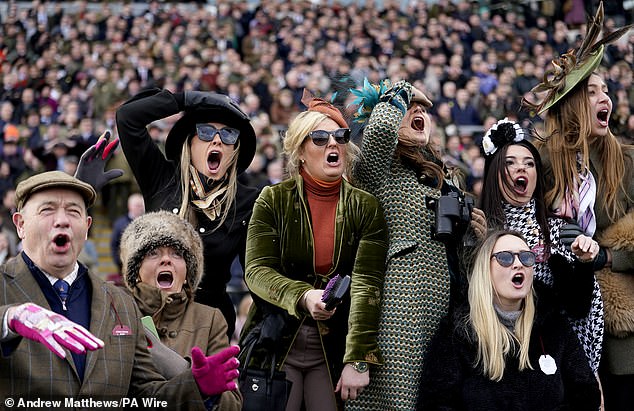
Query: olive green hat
[(52, 180), (573, 67)]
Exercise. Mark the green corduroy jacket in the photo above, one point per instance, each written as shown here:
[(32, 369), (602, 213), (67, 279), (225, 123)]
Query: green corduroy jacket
[(280, 269)]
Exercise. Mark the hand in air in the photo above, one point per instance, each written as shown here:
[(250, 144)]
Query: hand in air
[(92, 164)]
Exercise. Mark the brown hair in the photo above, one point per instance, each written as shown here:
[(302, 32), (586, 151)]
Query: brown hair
[(569, 131)]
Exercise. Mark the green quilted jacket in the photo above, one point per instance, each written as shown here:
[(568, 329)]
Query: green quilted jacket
[(280, 269)]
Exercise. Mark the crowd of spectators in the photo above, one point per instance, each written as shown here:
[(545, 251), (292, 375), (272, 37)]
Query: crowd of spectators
[(65, 68)]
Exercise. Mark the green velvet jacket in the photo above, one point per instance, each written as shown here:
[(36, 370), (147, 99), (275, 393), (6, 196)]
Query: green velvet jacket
[(280, 269)]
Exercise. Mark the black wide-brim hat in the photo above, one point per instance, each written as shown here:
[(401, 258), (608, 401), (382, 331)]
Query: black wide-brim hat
[(229, 114)]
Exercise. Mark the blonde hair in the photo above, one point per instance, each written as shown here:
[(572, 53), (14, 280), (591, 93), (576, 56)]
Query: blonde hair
[(495, 341), (186, 208), (297, 133), (569, 131)]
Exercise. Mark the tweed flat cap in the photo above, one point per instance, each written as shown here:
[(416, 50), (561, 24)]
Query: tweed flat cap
[(50, 180)]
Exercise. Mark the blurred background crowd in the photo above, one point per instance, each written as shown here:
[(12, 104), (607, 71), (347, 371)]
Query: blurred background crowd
[(66, 66)]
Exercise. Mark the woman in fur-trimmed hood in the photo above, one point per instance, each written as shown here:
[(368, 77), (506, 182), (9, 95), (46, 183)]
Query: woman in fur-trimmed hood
[(162, 261)]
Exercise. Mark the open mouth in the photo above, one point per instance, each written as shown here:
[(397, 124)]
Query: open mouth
[(332, 158), (602, 116), (418, 124), (61, 240), (165, 279), (213, 160), (518, 279), (520, 185)]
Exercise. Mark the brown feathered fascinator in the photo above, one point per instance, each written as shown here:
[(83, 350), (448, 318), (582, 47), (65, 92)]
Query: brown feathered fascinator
[(574, 66), (322, 106)]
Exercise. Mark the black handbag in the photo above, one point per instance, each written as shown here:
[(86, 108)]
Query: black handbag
[(262, 389)]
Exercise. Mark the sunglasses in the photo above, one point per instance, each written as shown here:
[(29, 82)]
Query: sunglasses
[(321, 137), (207, 132), (506, 258)]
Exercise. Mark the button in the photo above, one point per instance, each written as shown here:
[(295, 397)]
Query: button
[(201, 229), (173, 334), (175, 210)]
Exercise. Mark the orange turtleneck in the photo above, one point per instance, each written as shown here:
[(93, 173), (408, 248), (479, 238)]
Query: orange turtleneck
[(323, 197)]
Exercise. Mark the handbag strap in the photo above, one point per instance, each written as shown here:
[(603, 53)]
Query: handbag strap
[(249, 347)]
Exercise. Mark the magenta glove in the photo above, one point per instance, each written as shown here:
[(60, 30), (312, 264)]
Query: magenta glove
[(215, 374), (53, 330)]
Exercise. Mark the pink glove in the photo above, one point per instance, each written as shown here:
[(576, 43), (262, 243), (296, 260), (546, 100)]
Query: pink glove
[(215, 374), (38, 324)]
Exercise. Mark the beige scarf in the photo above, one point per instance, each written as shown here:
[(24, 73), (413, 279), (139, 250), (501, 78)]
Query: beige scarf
[(210, 202)]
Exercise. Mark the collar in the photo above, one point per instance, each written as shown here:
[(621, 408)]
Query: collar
[(507, 318), (69, 278), (159, 305)]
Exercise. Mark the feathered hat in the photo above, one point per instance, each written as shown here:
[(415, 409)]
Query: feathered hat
[(572, 67), (368, 96), (322, 106)]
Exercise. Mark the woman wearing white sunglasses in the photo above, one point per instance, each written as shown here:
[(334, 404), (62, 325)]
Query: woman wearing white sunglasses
[(197, 177)]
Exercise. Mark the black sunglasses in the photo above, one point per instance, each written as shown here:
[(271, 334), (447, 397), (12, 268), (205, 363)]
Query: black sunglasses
[(321, 137), (207, 132), (506, 258)]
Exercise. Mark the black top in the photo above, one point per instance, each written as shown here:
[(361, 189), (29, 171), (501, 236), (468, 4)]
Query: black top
[(159, 181)]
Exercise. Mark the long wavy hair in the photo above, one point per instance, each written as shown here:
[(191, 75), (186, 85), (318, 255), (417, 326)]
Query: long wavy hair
[(297, 133), (186, 208), (423, 160), (495, 341), (568, 132)]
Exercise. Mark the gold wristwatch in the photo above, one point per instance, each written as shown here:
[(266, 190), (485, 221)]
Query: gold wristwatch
[(360, 366)]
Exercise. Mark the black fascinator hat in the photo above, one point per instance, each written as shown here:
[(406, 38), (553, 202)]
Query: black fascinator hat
[(505, 132)]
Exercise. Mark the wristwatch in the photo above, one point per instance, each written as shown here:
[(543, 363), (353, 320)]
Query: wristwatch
[(360, 366)]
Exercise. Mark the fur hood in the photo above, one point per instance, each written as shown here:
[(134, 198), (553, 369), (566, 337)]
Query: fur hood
[(617, 289), (158, 229)]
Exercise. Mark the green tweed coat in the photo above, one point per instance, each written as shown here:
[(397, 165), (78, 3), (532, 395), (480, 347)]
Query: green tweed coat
[(280, 269), (417, 279)]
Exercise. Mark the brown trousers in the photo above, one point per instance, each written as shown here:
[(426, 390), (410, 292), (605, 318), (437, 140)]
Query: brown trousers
[(306, 367)]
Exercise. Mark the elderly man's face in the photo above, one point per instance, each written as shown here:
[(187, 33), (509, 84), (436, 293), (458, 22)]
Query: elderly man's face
[(53, 226)]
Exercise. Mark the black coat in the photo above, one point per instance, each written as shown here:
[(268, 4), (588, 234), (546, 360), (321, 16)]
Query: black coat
[(159, 181), (451, 382)]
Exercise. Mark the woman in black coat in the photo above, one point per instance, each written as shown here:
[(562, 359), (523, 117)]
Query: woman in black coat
[(507, 349), (196, 178)]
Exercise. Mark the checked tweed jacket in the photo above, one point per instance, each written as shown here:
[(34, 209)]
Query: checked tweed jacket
[(123, 368), (417, 279)]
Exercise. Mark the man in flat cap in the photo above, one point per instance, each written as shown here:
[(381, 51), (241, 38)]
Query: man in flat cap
[(51, 306)]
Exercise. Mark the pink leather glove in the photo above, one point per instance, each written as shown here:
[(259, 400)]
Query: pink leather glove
[(53, 330), (215, 374)]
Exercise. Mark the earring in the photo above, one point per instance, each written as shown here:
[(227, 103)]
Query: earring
[(302, 161)]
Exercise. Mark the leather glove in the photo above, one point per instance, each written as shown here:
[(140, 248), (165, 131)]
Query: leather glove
[(399, 95), (53, 330), (205, 99), (167, 361), (215, 374), (93, 163), (478, 223), (568, 233)]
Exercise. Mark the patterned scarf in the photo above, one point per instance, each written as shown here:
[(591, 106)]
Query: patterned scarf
[(210, 196), (578, 204)]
